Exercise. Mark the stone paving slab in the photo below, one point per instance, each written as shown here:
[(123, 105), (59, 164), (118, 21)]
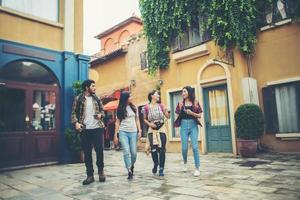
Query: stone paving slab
[(269, 176)]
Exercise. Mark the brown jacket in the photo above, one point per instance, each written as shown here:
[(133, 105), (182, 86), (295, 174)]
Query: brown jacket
[(78, 109)]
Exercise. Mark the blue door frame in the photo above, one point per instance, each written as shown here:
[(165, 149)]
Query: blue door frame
[(66, 66), (218, 136)]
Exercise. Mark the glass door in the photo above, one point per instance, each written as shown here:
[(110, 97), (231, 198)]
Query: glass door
[(44, 114), (29, 123), (14, 124)]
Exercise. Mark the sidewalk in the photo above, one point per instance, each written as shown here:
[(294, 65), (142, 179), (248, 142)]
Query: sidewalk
[(271, 176)]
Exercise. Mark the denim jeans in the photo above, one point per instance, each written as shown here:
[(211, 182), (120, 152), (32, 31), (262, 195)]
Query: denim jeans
[(92, 138), (189, 128), (129, 143), (161, 151)]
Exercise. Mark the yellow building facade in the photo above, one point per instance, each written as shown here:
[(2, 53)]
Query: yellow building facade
[(221, 80), (62, 30)]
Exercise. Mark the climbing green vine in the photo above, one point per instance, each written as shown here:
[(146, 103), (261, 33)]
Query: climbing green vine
[(232, 24)]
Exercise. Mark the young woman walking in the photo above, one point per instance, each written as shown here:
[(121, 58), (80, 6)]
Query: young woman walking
[(154, 115), (128, 127), (189, 112)]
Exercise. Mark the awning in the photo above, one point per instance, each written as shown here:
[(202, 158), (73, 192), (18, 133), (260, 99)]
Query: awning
[(112, 105)]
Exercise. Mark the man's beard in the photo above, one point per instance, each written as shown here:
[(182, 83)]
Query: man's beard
[(91, 92)]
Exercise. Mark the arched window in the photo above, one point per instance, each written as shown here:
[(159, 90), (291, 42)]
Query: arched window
[(109, 46), (124, 37), (27, 71)]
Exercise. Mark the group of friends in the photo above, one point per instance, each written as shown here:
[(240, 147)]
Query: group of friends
[(87, 118)]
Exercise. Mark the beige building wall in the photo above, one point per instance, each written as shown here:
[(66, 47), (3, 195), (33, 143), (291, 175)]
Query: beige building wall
[(277, 59), (28, 29), (144, 82), (110, 76)]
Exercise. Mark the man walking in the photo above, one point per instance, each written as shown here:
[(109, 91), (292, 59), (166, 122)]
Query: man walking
[(87, 117)]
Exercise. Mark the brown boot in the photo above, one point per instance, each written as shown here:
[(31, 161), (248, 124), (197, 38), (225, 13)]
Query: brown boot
[(102, 176), (88, 180)]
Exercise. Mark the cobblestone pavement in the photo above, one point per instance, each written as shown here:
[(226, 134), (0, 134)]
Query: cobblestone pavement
[(270, 176)]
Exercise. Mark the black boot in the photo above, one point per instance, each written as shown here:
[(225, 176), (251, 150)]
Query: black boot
[(88, 180), (130, 175), (154, 169), (132, 169), (102, 176), (161, 172)]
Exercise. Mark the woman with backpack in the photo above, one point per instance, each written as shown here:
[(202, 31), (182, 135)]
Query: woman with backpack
[(154, 116), (189, 112), (128, 126)]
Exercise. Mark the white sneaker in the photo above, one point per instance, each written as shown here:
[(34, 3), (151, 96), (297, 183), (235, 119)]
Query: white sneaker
[(185, 167), (197, 172)]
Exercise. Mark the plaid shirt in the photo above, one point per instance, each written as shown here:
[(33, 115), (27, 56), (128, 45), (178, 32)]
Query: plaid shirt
[(196, 108), (78, 109)]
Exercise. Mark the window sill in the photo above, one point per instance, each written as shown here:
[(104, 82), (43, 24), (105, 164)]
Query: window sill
[(31, 17), (145, 70), (276, 24), (288, 136), (191, 53)]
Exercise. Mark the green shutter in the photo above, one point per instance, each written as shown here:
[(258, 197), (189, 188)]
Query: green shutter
[(270, 110)]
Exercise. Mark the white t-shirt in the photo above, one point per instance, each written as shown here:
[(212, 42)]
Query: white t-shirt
[(89, 119), (128, 124)]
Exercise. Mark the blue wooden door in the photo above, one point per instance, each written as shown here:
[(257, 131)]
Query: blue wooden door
[(217, 122)]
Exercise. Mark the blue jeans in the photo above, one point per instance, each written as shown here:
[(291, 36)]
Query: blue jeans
[(189, 128), (129, 142)]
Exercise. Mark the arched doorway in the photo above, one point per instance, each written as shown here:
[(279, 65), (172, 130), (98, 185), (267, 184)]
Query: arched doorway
[(214, 80), (29, 114)]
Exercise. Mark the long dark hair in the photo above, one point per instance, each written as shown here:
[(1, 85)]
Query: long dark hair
[(121, 111), (191, 93)]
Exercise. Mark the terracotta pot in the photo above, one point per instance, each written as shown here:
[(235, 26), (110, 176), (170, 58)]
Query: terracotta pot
[(81, 156), (247, 148)]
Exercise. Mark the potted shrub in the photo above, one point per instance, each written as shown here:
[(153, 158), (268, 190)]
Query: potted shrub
[(73, 140), (249, 122)]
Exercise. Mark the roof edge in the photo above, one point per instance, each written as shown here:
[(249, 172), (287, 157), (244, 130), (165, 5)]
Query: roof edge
[(119, 25)]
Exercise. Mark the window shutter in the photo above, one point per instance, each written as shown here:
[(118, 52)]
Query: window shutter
[(270, 110), (175, 44), (143, 60)]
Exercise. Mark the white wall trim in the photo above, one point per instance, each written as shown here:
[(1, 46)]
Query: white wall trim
[(191, 53), (31, 17), (215, 79), (201, 84), (69, 26), (287, 80), (171, 138), (276, 24), (287, 135)]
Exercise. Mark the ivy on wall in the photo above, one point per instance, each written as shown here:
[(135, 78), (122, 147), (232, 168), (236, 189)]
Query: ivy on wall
[(232, 23)]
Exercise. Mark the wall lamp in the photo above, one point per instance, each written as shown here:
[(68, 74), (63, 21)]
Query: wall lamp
[(132, 83), (160, 82)]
